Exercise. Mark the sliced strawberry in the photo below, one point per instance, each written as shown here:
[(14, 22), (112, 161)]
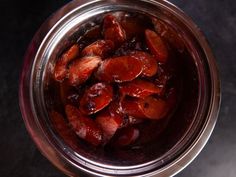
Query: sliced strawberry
[(99, 48), (82, 69), (112, 30), (63, 129), (133, 27), (96, 98), (150, 66), (126, 137), (132, 107), (169, 34), (109, 124), (60, 71), (156, 45), (119, 69), (150, 108), (154, 108), (139, 88), (85, 127)]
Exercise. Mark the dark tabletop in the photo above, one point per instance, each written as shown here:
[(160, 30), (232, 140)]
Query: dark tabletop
[(19, 21)]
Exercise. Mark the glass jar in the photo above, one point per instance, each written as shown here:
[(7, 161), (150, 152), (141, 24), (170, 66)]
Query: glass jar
[(188, 134)]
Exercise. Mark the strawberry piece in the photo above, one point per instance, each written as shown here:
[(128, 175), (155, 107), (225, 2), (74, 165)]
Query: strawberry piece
[(109, 124), (112, 30), (82, 69), (60, 70), (132, 107), (126, 137), (85, 127), (63, 129), (96, 98), (133, 27), (119, 69), (169, 34), (139, 88), (156, 45), (154, 108), (148, 108), (99, 48), (150, 66)]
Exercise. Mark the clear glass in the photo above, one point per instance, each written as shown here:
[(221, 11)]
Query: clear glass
[(177, 148)]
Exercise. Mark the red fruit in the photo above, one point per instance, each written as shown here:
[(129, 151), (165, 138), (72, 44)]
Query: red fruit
[(60, 70), (63, 129), (156, 45), (154, 108), (99, 48), (169, 34), (96, 98), (150, 66), (112, 30), (109, 123), (85, 127), (150, 108), (133, 27), (119, 69), (81, 69), (126, 137), (139, 88), (132, 107)]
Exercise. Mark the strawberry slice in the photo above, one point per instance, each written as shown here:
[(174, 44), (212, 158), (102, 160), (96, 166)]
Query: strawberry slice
[(132, 26), (81, 69), (126, 137), (139, 88), (109, 124), (169, 34), (154, 108), (85, 127), (119, 69), (112, 30), (156, 45), (60, 70), (63, 129), (132, 107), (99, 48), (96, 98), (148, 108), (150, 66)]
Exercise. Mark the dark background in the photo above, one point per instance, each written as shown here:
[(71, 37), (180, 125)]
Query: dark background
[(19, 21)]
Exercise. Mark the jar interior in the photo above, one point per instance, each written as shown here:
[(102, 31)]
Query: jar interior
[(171, 137)]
